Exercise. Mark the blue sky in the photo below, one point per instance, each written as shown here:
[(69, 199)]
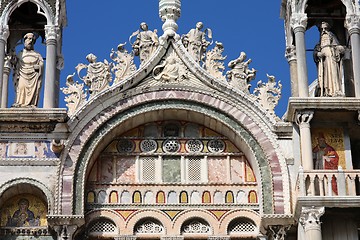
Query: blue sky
[(254, 27)]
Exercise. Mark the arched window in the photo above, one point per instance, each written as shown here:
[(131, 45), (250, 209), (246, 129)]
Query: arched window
[(160, 197), (206, 197), (113, 197), (184, 197), (137, 197), (253, 197), (229, 197)]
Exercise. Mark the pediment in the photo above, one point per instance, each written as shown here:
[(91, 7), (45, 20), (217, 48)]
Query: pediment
[(169, 63)]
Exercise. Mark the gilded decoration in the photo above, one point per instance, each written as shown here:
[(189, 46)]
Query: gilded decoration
[(24, 210), (328, 148)]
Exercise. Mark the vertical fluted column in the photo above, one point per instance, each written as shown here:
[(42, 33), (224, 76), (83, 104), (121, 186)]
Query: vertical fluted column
[(5, 82), (298, 24), (310, 220), (290, 55), (303, 121), (51, 92), (4, 34), (352, 23)]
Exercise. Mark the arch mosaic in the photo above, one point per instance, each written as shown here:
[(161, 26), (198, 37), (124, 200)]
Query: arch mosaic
[(187, 215), (47, 193), (249, 144)]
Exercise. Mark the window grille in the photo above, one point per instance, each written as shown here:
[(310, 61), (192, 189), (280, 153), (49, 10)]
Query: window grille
[(242, 226), (103, 226), (194, 169), (216, 145), (148, 145), (194, 145), (149, 227), (171, 146), (148, 169), (197, 227), (125, 146)]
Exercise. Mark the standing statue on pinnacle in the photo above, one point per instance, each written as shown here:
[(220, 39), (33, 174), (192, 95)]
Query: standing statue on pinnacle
[(28, 74), (146, 42), (196, 43), (328, 54)]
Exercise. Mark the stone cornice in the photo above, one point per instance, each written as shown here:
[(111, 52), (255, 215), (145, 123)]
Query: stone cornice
[(35, 115), (323, 103)]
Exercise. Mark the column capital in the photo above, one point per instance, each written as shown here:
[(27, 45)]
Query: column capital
[(352, 23), (304, 117), (278, 232), (52, 32), (290, 53), (299, 22), (310, 217), (4, 32)]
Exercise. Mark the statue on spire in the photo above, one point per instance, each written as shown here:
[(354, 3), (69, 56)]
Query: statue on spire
[(146, 42), (196, 43)]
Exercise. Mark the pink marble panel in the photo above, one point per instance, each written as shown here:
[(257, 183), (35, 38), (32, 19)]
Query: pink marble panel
[(217, 169), (106, 170), (125, 170), (237, 170)]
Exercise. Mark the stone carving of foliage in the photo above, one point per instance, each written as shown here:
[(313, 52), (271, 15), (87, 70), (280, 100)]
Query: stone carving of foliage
[(98, 74), (240, 74), (214, 61), (268, 94), (170, 70), (124, 63), (75, 94)]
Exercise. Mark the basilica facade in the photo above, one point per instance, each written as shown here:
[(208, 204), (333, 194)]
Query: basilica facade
[(161, 142)]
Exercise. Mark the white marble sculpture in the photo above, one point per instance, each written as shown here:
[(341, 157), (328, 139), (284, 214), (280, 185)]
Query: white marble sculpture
[(240, 74), (28, 74), (124, 63), (328, 54), (214, 62), (146, 42), (76, 96), (196, 43), (268, 94), (98, 74), (170, 70)]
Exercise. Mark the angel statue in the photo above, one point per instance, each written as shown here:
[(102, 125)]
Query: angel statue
[(146, 42), (98, 74), (196, 43)]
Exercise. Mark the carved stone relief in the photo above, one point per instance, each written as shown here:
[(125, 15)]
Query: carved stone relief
[(124, 63), (268, 94), (172, 69), (240, 74), (214, 61)]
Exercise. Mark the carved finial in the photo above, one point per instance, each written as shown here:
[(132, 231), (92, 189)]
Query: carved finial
[(169, 11), (268, 94)]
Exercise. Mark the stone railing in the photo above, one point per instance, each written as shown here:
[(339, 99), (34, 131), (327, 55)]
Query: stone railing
[(327, 183)]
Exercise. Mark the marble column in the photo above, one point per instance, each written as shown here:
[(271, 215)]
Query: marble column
[(352, 23), (51, 91), (290, 55), (298, 24), (5, 82), (310, 221), (4, 34), (303, 121)]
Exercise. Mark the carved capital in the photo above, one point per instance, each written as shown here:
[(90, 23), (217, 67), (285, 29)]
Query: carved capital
[(52, 33), (290, 53), (299, 22), (310, 217), (278, 232), (352, 23), (304, 118), (169, 12), (4, 32)]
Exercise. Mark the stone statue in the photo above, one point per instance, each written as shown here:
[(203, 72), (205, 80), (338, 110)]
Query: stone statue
[(28, 74), (170, 70), (146, 42), (98, 74), (328, 54), (196, 43), (240, 74)]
